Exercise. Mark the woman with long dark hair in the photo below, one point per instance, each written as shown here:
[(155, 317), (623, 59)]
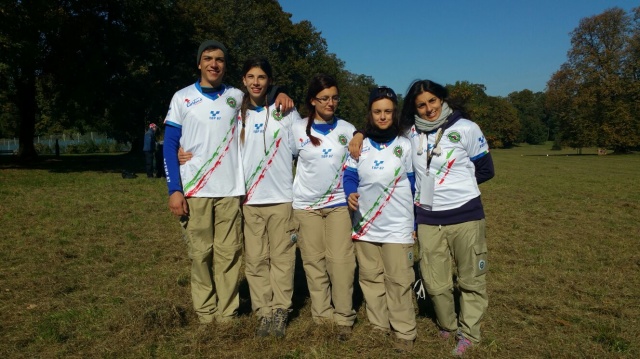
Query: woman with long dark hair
[(379, 189), (320, 206)]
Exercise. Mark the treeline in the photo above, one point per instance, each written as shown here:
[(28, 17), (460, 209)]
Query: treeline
[(111, 66)]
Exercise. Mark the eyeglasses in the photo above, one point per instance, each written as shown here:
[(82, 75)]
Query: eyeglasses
[(325, 99)]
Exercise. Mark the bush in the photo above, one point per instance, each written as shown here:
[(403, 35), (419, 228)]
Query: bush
[(43, 149)]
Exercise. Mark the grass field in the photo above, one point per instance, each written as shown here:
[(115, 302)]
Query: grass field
[(92, 265)]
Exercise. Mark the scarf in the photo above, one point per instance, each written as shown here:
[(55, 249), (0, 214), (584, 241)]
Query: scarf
[(428, 126), (382, 136)]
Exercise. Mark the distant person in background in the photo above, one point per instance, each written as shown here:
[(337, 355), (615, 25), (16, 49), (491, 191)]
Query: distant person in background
[(149, 149), (379, 189)]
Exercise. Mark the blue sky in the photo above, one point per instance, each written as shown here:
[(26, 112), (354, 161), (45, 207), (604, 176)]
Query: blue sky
[(507, 45)]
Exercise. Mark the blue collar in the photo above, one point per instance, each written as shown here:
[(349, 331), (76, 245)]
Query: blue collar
[(325, 128), (212, 93)]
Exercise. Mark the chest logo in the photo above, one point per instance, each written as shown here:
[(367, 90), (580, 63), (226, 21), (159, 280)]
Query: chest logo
[(398, 151), (326, 153), (214, 115), (276, 115), (454, 137), (343, 140), (231, 102)]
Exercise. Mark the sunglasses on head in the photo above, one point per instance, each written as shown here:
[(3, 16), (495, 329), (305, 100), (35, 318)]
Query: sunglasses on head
[(383, 92)]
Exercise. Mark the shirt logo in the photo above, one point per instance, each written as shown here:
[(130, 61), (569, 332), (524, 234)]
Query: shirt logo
[(343, 140), (377, 165), (276, 115), (213, 115), (454, 137), (303, 142), (483, 141), (190, 103), (258, 128), (231, 102), (398, 151), (326, 153)]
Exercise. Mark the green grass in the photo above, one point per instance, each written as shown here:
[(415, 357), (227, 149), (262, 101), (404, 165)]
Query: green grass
[(92, 265)]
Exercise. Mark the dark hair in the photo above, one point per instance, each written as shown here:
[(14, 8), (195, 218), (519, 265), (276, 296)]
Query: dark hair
[(380, 93), (316, 85), (407, 116), (252, 62)]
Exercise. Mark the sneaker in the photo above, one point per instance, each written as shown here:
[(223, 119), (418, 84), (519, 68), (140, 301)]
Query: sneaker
[(463, 345), (403, 345), (444, 334), (264, 327), (344, 332), (279, 325)]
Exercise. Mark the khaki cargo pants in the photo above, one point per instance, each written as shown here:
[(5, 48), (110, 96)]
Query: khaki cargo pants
[(465, 244), (270, 256), (329, 263), (385, 276), (213, 232)]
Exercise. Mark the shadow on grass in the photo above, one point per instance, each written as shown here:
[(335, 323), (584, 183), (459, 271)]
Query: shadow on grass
[(564, 155), (106, 163)]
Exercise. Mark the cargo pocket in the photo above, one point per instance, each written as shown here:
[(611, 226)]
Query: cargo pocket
[(292, 231), (481, 263)]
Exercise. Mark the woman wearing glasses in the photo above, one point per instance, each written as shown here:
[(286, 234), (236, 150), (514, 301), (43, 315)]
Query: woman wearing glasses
[(320, 206), (379, 190), (450, 159), (267, 145)]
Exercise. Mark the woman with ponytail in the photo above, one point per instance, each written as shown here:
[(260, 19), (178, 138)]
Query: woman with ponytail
[(320, 206)]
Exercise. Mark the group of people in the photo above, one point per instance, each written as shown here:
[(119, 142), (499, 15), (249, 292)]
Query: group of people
[(356, 197)]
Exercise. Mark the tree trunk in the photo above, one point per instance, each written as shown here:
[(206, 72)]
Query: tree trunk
[(26, 101)]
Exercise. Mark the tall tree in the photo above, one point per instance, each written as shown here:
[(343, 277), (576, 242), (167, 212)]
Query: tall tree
[(112, 65), (599, 76)]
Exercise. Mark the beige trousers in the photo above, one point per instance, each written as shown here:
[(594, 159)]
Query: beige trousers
[(329, 263), (270, 256), (385, 275), (213, 234), (465, 244)]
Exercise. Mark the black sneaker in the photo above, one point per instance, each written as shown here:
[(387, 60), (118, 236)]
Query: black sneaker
[(279, 326), (264, 327)]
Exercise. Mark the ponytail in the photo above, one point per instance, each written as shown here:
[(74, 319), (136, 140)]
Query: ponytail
[(314, 140)]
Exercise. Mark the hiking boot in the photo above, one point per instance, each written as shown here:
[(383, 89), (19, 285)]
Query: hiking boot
[(264, 327), (462, 346), (403, 345), (279, 325), (344, 332)]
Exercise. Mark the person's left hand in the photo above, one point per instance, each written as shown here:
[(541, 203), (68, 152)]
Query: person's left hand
[(353, 201), (285, 102), (355, 145), (183, 156)]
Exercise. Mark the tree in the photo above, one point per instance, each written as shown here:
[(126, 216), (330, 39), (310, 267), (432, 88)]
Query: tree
[(496, 116), (532, 115), (113, 65), (594, 96)]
